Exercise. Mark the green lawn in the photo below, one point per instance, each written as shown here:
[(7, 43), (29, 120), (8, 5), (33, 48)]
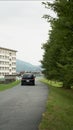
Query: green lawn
[(7, 86), (59, 108)]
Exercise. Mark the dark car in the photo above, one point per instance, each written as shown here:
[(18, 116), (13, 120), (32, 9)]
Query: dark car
[(28, 79)]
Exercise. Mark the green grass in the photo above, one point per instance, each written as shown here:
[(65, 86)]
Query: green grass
[(8, 86), (59, 108)]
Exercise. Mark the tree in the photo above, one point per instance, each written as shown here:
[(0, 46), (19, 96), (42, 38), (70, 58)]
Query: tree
[(58, 50)]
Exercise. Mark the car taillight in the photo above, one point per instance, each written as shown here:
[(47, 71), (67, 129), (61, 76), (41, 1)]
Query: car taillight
[(23, 79)]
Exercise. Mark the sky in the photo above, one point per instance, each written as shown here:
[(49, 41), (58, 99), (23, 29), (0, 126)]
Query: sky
[(22, 28)]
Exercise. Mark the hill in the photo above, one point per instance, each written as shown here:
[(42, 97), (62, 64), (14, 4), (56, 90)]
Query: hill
[(25, 66)]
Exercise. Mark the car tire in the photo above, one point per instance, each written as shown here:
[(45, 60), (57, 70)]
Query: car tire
[(21, 84), (33, 83)]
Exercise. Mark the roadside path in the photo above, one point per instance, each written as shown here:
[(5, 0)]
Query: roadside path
[(21, 107)]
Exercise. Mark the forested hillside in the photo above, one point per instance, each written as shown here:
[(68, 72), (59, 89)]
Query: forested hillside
[(25, 66)]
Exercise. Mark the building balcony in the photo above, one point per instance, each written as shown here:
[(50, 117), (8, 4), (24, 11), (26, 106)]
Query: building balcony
[(4, 65)]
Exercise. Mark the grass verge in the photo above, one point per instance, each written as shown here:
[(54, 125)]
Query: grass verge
[(7, 86), (59, 109)]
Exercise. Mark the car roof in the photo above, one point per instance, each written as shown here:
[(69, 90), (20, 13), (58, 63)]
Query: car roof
[(28, 74)]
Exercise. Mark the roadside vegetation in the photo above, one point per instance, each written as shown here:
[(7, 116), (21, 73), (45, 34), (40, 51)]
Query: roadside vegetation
[(57, 60), (57, 64), (59, 108), (9, 85)]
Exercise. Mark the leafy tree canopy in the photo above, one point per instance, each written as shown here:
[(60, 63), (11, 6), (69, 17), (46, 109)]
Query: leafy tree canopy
[(58, 50)]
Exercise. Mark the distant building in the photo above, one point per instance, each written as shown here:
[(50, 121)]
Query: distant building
[(7, 61)]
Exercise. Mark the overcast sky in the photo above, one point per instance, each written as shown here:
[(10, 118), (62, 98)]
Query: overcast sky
[(22, 28)]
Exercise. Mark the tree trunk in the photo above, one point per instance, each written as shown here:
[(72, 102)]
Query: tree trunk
[(66, 85)]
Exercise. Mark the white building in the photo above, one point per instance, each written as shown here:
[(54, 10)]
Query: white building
[(7, 61)]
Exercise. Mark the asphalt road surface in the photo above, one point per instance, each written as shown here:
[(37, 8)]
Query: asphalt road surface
[(21, 107)]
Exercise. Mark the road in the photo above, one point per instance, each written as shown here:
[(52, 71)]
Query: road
[(21, 107)]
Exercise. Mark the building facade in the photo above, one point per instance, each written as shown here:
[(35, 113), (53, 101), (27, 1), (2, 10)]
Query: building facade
[(7, 61)]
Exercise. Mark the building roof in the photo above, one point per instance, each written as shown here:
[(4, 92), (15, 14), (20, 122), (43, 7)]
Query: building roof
[(8, 49)]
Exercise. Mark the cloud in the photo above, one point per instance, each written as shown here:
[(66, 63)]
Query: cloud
[(23, 29)]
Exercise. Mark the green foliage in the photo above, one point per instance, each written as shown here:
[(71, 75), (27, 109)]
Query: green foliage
[(8, 86), (58, 51)]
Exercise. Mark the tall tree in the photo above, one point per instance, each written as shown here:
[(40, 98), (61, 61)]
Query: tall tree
[(58, 50)]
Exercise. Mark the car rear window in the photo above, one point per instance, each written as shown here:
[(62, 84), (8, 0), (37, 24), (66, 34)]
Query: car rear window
[(28, 76)]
